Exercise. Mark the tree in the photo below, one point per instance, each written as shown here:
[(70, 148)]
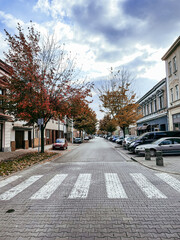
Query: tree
[(86, 120), (42, 82), (107, 124), (118, 100)]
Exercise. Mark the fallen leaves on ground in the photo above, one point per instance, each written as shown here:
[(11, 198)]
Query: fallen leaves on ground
[(15, 164)]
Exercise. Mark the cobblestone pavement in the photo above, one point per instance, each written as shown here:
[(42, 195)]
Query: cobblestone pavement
[(93, 192)]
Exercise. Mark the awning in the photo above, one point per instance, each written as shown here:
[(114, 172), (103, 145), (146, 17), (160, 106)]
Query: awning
[(21, 128), (144, 127)]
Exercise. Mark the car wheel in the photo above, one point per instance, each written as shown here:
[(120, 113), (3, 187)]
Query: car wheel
[(152, 152)]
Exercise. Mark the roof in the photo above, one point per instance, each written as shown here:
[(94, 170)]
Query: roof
[(171, 49), (160, 83), (4, 66)]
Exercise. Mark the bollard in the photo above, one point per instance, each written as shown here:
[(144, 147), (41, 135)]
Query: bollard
[(147, 154), (159, 159)]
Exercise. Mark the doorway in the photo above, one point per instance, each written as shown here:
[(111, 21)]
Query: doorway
[(19, 138)]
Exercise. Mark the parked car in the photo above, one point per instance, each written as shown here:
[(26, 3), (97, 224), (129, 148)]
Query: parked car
[(127, 140), (60, 143), (114, 138), (86, 138), (119, 140), (167, 145), (77, 140), (150, 137)]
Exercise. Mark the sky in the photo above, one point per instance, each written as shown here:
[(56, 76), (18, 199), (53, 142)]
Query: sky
[(130, 34)]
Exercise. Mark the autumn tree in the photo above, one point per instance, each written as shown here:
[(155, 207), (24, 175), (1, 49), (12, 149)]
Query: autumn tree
[(86, 120), (118, 99), (107, 124), (42, 82)]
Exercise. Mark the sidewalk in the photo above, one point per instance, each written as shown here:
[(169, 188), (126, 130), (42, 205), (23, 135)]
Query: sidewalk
[(171, 163), (48, 148)]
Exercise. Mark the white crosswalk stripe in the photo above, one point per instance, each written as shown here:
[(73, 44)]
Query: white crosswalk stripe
[(146, 186), (48, 189), (173, 182), (19, 188), (8, 180), (114, 187), (81, 187)]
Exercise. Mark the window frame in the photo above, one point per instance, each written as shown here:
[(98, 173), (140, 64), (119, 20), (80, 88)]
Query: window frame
[(175, 64), (170, 68), (177, 91)]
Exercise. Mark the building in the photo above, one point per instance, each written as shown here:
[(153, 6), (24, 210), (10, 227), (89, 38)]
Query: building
[(16, 134), (172, 64), (153, 106)]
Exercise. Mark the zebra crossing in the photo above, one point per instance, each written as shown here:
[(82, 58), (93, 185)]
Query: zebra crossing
[(80, 190)]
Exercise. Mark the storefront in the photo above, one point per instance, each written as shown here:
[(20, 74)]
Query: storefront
[(159, 124)]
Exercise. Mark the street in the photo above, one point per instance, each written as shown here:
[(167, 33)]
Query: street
[(93, 192)]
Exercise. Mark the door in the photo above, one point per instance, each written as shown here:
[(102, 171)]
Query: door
[(167, 146), (19, 138), (29, 139)]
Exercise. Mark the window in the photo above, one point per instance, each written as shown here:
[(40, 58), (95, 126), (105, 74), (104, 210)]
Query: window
[(144, 110), (166, 142), (177, 91), (155, 105), (171, 92), (151, 107), (176, 141), (174, 64), (160, 102), (47, 134), (147, 106), (170, 68)]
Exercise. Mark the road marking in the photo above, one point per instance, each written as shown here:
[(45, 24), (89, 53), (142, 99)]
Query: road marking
[(81, 187), (146, 186), (19, 188), (173, 182), (114, 187), (47, 190), (8, 180)]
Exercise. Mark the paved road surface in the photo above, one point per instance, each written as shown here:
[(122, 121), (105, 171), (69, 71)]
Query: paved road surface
[(93, 192)]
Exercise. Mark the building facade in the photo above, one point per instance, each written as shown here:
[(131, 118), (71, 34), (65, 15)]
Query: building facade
[(172, 64), (153, 106)]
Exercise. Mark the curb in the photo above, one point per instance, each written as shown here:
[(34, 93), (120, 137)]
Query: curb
[(153, 168)]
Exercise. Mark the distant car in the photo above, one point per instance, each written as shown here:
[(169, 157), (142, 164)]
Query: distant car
[(60, 143), (169, 145), (77, 140), (86, 138)]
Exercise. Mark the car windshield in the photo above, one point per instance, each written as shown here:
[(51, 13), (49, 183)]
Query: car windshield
[(141, 136), (60, 140)]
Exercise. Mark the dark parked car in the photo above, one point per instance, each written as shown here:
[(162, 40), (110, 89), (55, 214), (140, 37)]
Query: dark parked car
[(150, 137), (61, 143), (128, 140), (168, 145), (77, 140)]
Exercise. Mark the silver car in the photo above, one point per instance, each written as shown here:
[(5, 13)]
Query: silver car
[(169, 145)]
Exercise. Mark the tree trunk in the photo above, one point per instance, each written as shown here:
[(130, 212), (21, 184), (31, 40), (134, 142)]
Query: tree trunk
[(124, 131), (42, 139)]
